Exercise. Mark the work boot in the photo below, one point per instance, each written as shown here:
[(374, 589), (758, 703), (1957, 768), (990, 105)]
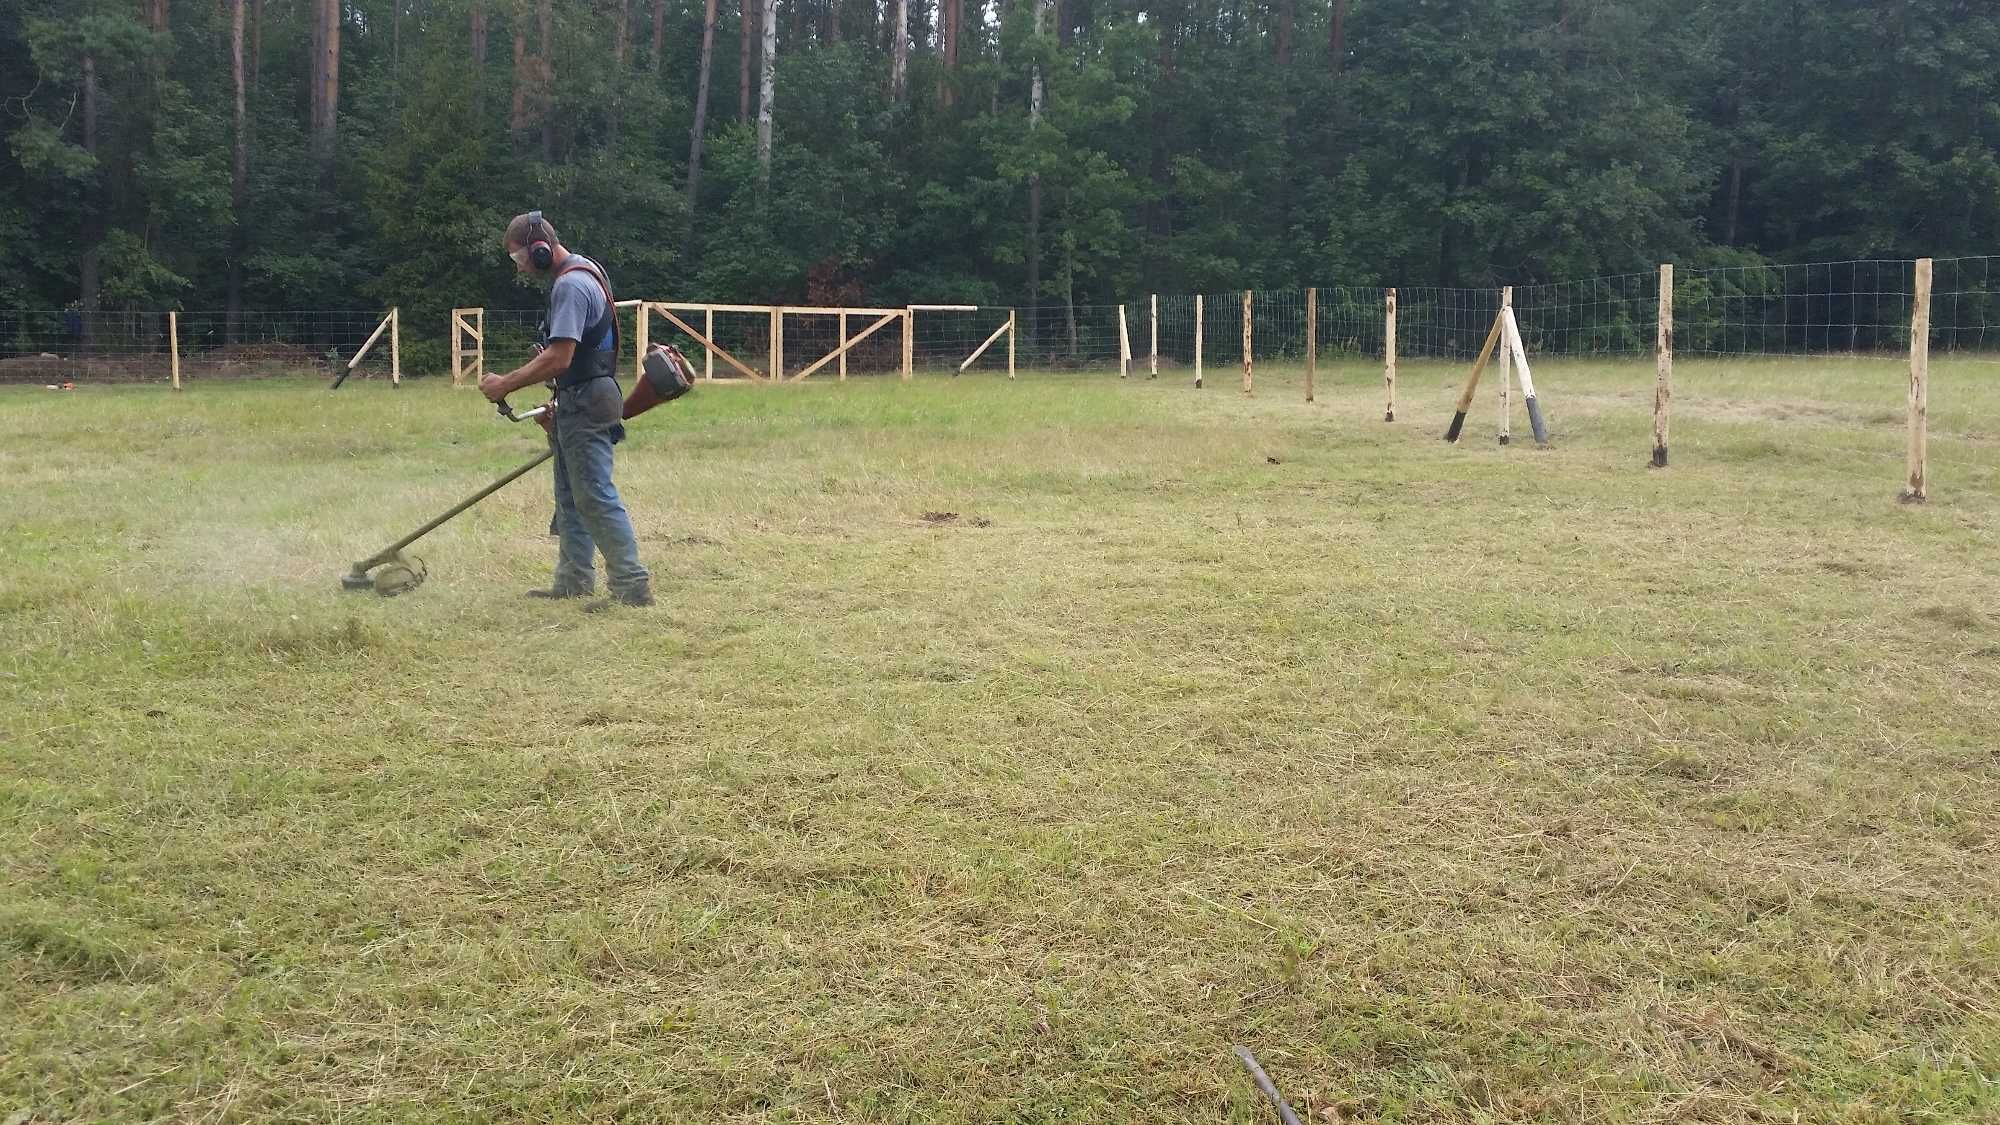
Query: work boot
[(641, 597)]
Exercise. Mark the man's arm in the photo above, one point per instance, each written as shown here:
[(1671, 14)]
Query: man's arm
[(553, 361)]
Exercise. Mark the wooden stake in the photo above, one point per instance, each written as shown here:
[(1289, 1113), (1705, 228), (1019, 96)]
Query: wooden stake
[(775, 360), (1011, 327), (174, 345), (640, 340), (1472, 380), (1124, 346), (1312, 340), (1512, 339), (843, 346), (1918, 489), (1246, 341), (1506, 373), (981, 349), (372, 337), (1197, 341), (1663, 379), (909, 342), (1389, 364), (395, 346), (708, 354), (1154, 353)]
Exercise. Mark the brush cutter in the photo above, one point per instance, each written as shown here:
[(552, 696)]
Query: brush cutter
[(667, 376)]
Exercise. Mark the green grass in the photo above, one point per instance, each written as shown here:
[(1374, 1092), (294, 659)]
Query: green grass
[(1461, 784)]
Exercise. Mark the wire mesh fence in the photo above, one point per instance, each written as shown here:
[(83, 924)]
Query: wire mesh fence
[(1852, 308)]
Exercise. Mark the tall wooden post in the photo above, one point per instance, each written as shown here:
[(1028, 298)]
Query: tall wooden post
[(1663, 378), (643, 311), (1918, 489), (843, 345), (1124, 346), (174, 345), (1312, 340), (395, 346), (1389, 364), (1506, 374), (1153, 353), (708, 354), (909, 342), (1011, 326), (1246, 341), (1197, 341)]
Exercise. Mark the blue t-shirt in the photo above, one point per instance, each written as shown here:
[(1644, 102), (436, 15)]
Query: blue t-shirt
[(575, 303)]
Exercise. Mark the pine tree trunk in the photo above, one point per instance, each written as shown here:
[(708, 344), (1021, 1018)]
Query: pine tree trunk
[(833, 21), (326, 84), (1336, 40), (621, 50), (1035, 186), (1287, 16), (93, 223), (700, 130), (239, 175), (765, 80), (950, 12), (899, 66), (1735, 201), (545, 74), (660, 31), (256, 46), (479, 63), (747, 9), (517, 122)]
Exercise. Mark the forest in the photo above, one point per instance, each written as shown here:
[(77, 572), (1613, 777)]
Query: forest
[(349, 154)]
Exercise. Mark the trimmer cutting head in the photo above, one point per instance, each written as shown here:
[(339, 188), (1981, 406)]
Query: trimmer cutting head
[(399, 574)]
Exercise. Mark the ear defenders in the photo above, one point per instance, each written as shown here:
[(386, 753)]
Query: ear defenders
[(540, 254)]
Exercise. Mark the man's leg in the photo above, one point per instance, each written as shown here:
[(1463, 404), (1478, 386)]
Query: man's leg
[(576, 565), (587, 436)]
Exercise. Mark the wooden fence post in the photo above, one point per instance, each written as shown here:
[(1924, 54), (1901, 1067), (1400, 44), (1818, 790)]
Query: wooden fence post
[(174, 345), (1918, 489), (1246, 341), (1389, 364), (1154, 353), (1312, 340), (1124, 346), (1663, 378), (1506, 374), (1197, 341)]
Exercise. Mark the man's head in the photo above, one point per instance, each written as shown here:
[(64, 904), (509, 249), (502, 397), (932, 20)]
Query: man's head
[(532, 243)]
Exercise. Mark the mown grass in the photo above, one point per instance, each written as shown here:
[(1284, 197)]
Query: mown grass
[(1460, 784)]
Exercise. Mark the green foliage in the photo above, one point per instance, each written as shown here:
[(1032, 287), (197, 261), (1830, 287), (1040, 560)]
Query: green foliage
[(1460, 142)]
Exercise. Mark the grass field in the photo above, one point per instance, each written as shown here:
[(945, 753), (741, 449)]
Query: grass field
[(1459, 784)]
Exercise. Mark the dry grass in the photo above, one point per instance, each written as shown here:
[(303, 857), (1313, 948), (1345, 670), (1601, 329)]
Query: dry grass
[(1465, 785)]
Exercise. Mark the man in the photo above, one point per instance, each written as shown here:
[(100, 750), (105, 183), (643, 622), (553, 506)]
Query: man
[(579, 353)]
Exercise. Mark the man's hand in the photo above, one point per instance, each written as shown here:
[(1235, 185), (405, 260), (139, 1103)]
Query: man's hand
[(493, 387)]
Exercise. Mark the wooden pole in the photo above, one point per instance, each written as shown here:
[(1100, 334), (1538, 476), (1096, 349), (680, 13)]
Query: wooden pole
[(1154, 353), (843, 346), (644, 328), (395, 346), (1663, 378), (1246, 341), (174, 345), (1011, 326), (1918, 489), (1312, 340), (909, 342), (372, 337), (1493, 339), (1512, 339), (457, 338), (1506, 373), (1389, 364), (776, 360), (1197, 341), (981, 349), (1124, 346), (708, 354)]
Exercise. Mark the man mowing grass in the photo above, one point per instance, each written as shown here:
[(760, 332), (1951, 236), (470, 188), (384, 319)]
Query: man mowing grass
[(579, 354)]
